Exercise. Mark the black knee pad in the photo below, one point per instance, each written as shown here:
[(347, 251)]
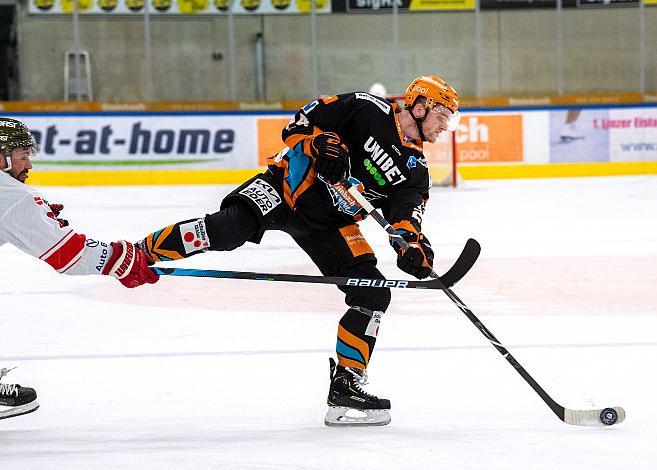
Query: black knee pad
[(264, 199), (231, 227), (373, 298)]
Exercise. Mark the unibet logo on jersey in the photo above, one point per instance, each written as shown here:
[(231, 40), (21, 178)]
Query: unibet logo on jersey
[(380, 165)]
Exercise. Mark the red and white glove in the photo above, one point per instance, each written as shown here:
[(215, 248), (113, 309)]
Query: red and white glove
[(55, 210), (130, 265)]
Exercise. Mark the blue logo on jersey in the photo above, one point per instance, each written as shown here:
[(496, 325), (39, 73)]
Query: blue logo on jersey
[(342, 200), (412, 161), (310, 106)]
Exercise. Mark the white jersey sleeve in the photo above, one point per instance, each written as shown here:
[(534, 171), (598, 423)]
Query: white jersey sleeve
[(27, 222)]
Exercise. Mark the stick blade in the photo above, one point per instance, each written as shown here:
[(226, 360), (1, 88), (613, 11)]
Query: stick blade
[(463, 264), (598, 418)]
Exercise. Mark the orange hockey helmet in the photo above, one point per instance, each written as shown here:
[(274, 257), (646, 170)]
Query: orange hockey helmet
[(435, 90)]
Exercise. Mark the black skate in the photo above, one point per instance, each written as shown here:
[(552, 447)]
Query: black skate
[(16, 400), (349, 404)]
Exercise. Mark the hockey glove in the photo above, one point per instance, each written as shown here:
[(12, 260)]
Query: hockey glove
[(55, 210), (130, 265), (331, 156), (417, 259)]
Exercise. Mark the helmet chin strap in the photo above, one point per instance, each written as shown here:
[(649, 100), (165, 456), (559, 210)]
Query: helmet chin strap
[(418, 123), (419, 128), (8, 159)]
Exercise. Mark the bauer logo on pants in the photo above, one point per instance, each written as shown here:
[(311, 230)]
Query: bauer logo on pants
[(194, 236), (263, 194)]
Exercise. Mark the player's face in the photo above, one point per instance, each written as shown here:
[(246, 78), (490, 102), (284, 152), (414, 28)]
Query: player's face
[(21, 163), (436, 122)]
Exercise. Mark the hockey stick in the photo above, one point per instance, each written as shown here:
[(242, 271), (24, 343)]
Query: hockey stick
[(461, 266), (599, 417)]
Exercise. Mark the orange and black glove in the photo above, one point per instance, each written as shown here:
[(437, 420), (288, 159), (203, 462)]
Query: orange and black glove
[(417, 259), (331, 156)]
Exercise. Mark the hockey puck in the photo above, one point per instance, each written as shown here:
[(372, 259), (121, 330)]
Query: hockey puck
[(608, 416)]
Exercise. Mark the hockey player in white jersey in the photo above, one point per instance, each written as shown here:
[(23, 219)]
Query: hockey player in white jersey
[(30, 223)]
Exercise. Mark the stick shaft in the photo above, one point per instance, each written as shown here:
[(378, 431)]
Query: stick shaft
[(554, 406), (334, 280)]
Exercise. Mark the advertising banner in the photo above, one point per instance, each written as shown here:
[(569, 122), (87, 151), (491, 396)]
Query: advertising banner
[(516, 4), (243, 141), (487, 138), (373, 6), (481, 138), (144, 141), (269, 136), (524, 4), (632, 134), (607, 3), (178, 7), (578, 135), (603, 135)]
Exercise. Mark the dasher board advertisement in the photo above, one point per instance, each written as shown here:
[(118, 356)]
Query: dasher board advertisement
[(143, 141), (178, 7)]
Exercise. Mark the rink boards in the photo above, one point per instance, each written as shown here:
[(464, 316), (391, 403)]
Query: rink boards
[(226, 146)]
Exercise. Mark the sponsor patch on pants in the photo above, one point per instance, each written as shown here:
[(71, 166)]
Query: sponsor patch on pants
[(194, 236), (263, 194), (374, 323)]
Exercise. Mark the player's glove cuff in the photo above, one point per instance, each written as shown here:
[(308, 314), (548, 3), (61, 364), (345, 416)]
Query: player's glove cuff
[(130, 265), (417, 258), (331, 156)]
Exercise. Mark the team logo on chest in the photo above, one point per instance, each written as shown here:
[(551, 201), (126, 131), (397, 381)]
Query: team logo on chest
[(380, 165), (342, 200)]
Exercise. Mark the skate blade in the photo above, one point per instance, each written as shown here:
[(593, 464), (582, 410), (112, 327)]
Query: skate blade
[(340, 416), (567, 138), (10, 412)]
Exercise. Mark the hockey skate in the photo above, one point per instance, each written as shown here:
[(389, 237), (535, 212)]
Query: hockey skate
[(16, 400), (569, 133), (349, 404)]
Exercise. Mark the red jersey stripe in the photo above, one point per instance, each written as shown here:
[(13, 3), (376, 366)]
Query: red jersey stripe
[(66, 252), (46, 253), (71, 264)]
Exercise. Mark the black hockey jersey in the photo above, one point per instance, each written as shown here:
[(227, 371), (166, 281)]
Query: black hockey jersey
[(390, 169)]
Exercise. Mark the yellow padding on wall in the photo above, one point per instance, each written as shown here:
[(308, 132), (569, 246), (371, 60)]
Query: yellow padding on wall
[(139, 178), (557, 170), (171, 177)]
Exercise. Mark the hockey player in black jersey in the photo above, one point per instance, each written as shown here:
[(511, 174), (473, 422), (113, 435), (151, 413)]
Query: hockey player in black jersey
[(375, 145)]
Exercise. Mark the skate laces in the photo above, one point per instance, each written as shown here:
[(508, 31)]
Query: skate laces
[(4, 371), (360, 377), (8, 389)]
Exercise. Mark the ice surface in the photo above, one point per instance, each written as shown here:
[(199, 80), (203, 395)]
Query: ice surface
[(205, 373)]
